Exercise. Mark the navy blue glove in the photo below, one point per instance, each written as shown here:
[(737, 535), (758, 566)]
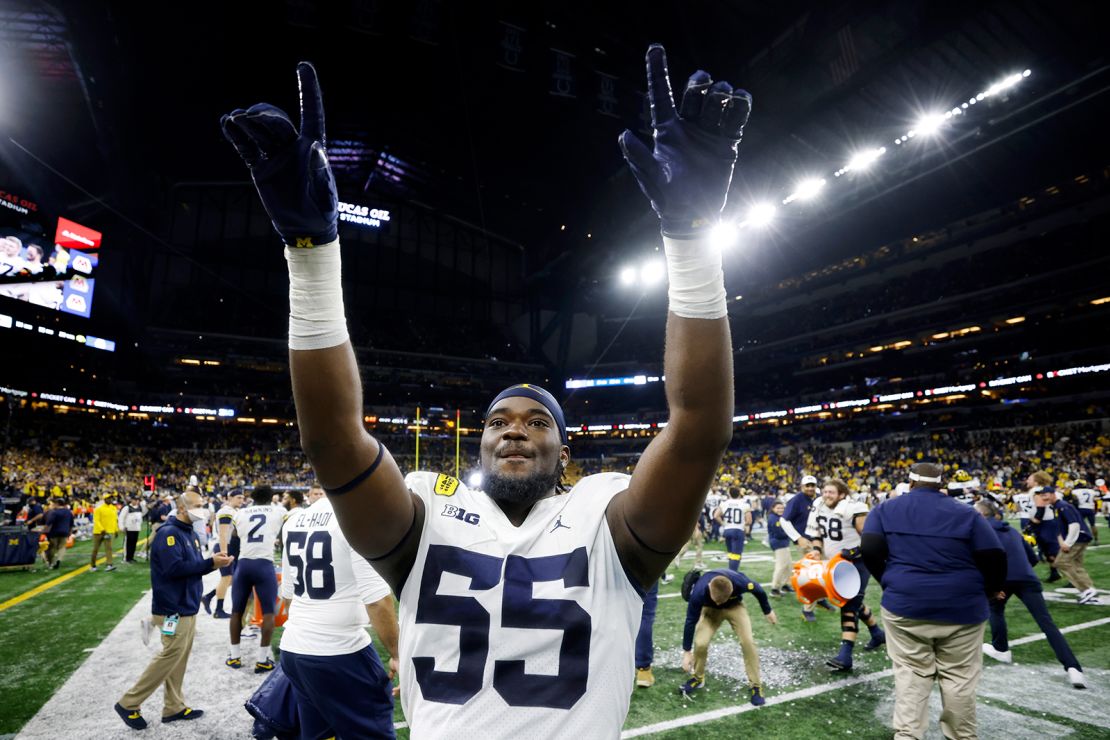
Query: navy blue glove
[(290, 169), (851, 553), (687, 175)]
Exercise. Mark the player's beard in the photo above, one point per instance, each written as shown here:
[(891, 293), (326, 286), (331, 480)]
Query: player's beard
[(521, 489)]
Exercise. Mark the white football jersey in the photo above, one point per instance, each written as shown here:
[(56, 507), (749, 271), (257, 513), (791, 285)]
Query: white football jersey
[(226, 515), (1025, 504), (258, 527), (1085, 498), (522, 631), (712, 501), (732, 513), (836, 526), (329, 585)]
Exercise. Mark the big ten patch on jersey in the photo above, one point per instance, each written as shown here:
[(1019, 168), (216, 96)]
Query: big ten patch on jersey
[(543, 611)]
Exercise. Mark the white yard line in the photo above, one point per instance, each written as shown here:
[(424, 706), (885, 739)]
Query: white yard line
[(696, 719)]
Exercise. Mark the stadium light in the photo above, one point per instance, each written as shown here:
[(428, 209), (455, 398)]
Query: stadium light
[(761, 214), (652, 272), (806, 189), (863, 160), (723, 235), (628, 276), (929, 124)]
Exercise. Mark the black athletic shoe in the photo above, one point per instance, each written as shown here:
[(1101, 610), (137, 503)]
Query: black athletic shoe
[(824, 604), (838, 666), (877, 641), (206, 600), (131, 718), (184, 714), (221, 614), (1053, 576)]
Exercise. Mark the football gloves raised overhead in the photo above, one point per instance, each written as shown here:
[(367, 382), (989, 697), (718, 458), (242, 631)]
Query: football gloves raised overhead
[(290, 167), (687, 173)]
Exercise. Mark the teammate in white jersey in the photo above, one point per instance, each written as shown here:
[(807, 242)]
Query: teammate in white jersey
[(226, 541), (519, 604), (712, 500), (834, 527), (734, 515), (340, 685), (257, 526), (1087, 501)]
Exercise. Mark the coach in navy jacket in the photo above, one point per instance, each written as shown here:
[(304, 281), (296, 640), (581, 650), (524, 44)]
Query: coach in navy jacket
[(176, 567), (1022, 582)]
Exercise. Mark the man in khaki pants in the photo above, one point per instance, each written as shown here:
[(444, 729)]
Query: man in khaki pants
[(1074, 537), (937, 561), (176, 568), (105, 526), (714, 599)]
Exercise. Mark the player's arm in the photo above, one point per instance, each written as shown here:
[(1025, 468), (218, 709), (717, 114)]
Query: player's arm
[(812, 539), (383, 618), (374, 508), (686, 176), (225, 526)]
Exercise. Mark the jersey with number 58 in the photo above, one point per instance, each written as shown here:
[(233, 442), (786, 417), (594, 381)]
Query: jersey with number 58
[(521, 631), (328, 583), (258, 527), (836, 526)]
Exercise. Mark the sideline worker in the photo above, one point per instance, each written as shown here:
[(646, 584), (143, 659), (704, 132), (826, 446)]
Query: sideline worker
[(176, 568), (105, 526), (937, 560)]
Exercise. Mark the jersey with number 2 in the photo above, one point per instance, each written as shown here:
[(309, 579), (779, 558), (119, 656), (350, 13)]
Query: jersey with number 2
[(517, 631), (258, 527)]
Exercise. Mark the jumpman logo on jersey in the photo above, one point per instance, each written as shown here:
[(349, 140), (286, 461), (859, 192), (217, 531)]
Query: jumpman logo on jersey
[(558, 524)]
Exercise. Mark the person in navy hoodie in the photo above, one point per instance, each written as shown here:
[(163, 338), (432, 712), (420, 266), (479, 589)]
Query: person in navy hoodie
[(1073, 537), (779, 543), (1022, 582)]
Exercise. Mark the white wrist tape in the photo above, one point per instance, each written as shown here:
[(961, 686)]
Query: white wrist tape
[(697, 281), (316, 318)]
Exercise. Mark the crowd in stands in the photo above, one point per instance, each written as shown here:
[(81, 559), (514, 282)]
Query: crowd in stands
[(98, 459)]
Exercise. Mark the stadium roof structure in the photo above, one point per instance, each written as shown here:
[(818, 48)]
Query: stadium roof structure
[(501, 119)]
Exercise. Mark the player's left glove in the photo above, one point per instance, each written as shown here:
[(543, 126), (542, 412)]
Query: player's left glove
[(851, 553), (687, 174), (290, 168)]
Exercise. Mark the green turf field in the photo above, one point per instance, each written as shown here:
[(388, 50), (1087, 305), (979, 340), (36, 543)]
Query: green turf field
[(44, 639)]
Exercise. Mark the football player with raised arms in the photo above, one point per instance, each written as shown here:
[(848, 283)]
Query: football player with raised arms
[(519, 604), (835, 525), (258, 526)]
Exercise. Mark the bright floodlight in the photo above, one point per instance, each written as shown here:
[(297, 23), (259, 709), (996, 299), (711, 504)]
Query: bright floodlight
[(723, 235), (761, 214), (807, 189), (475, 480), (628, 276), (652, 272), (929, 124), (863, 160)]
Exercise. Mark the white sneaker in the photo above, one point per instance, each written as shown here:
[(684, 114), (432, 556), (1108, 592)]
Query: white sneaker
[(1076, 677), (1090, 596), (146, 629), (668, 577), (999, 655)]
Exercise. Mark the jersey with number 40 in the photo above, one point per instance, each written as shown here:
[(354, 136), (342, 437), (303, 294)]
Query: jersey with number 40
[(517, 631), (328, 583), (836, 526), (258, 527)]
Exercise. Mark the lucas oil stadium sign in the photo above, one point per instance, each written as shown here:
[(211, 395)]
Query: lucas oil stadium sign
[(362, 215)]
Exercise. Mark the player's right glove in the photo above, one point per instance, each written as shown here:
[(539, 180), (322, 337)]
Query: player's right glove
[(290, 168), (687, 174)]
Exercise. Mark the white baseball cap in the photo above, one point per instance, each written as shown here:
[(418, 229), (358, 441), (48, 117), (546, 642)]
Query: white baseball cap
[(808, 480)]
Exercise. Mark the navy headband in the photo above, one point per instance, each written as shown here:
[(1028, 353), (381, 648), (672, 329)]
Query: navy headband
[(536, 393)]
